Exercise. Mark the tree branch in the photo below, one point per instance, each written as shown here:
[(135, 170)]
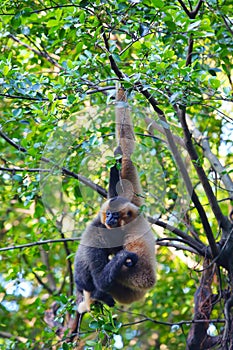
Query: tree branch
[(183, 171), (198, 338), (37, 277), (197, 245), (28, 170), (41, 53), (139, 87), (22, 97), (79, 177), (151, 124), (191, 14), (164, 323), (196, 10), (190, 51), (68, 259), (223, 222), (214, 161), (38, 243), (88, 92), (8, 335), (169, 242)]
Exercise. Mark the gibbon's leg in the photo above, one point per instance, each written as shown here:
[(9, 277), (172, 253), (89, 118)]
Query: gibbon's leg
[(88, 298), (104, 297), (126, 295), (104, 274), (82, 275)]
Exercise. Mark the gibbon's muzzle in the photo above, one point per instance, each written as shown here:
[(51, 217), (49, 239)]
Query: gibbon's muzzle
[(112, 218)]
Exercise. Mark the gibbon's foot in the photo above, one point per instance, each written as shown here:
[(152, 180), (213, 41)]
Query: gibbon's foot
[(85, 305), (82, 307)]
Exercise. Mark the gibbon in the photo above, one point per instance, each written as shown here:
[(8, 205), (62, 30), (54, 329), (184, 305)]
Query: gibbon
[(115, 260)]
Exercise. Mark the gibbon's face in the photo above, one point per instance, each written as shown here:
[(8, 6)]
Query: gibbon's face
[(117, 212)]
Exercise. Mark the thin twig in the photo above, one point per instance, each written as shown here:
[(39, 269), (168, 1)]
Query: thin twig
[(68, 259), (41, 53), (79, 177), (38, 243), (200, 247), (39, 280)]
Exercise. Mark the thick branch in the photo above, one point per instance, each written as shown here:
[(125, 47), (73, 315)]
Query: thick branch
[(139, 87), (214, 161), (183, 170), (222, 220), (191, 14), (198, 338)]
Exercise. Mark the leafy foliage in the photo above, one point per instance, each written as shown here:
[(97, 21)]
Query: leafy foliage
[(58, 68)]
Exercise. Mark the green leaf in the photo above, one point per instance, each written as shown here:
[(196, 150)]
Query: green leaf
[(71, 98), (215, 83), (65, 346), (94, 325), (6, 70), (157, 3), (63, 298), (194, 25), (52, 23), (17, 178), (82, 17), (91, 343)]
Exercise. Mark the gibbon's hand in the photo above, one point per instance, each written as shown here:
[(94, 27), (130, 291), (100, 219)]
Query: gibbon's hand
[(131, 259)]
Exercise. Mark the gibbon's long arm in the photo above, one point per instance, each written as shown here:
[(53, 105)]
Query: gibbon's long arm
[(103, 274), (114, 180), (95, 276), (124, 127), (130, 188)]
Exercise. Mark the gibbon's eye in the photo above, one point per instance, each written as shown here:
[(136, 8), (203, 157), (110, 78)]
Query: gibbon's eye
[(108, 212), (129, 213), (111, 219)]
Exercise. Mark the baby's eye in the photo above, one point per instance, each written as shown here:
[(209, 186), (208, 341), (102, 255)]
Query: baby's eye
[(129, 213), (108, 213)]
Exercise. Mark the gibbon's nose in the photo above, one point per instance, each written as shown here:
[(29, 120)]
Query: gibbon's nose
[(112, 219)]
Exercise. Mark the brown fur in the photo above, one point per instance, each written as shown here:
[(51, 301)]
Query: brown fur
[(132, 283)]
